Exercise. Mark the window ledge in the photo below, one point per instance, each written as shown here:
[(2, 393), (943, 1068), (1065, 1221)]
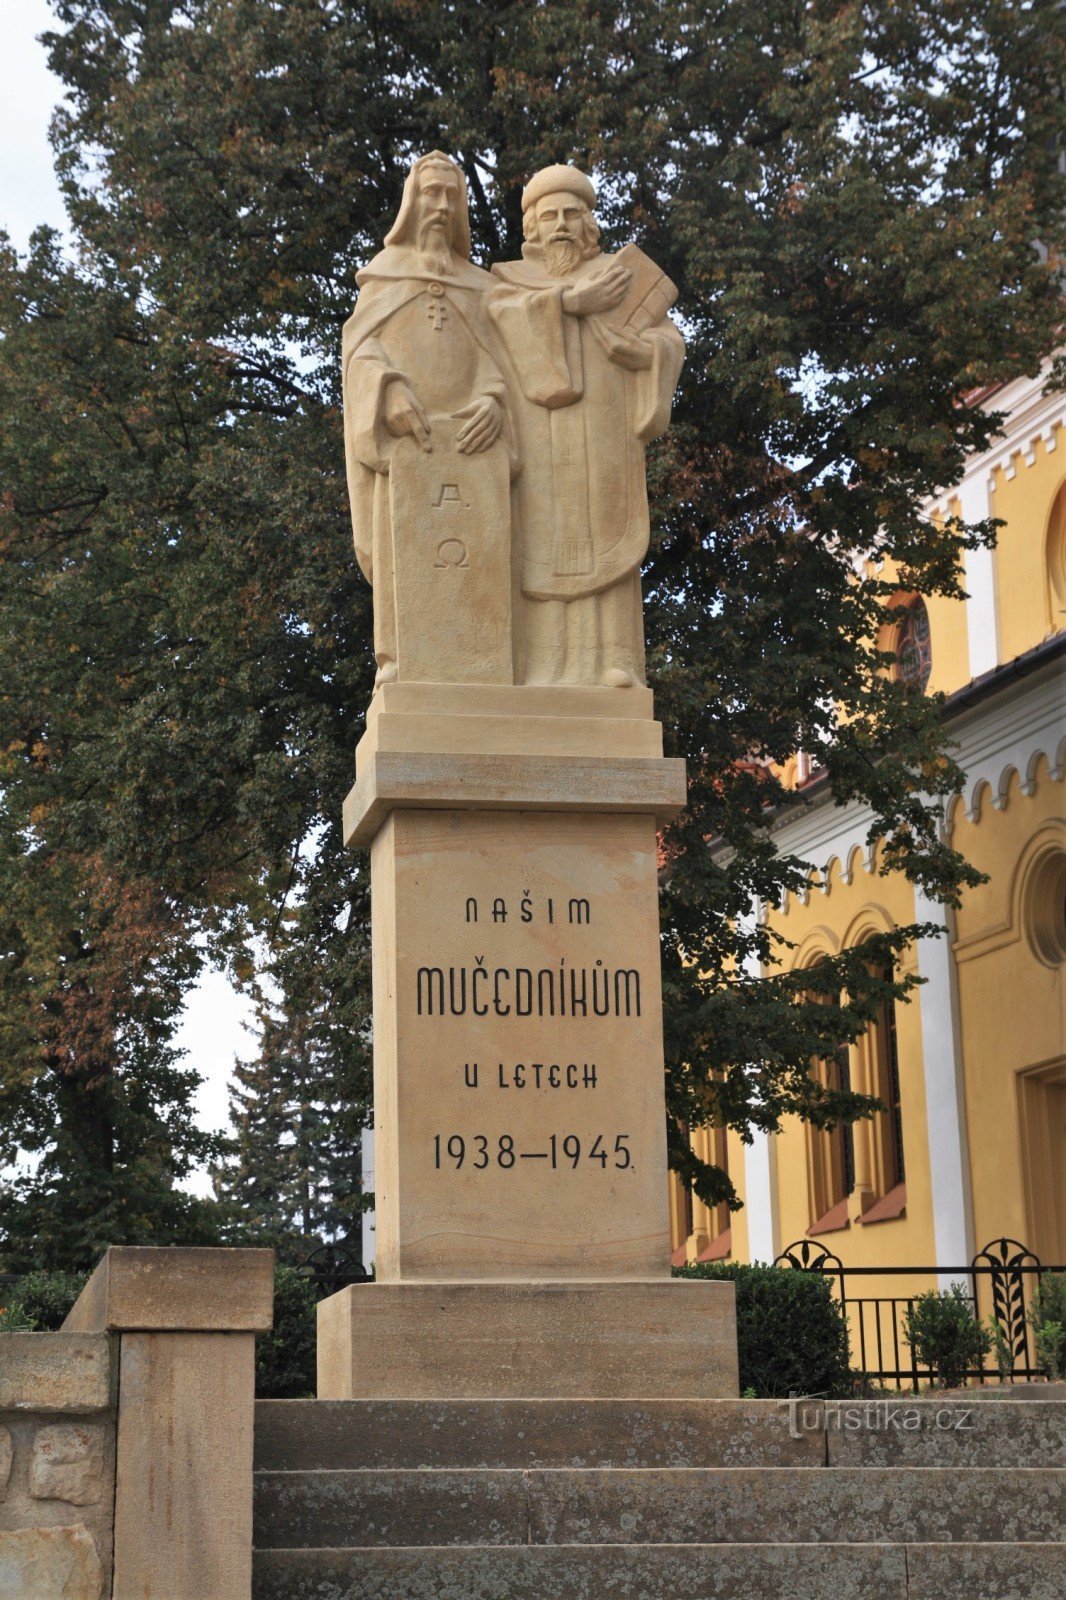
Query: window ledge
[(888, 1208), (833, 1221)]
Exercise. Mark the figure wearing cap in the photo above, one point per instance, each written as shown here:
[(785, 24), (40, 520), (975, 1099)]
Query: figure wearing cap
[(416, 367), (594, 363)]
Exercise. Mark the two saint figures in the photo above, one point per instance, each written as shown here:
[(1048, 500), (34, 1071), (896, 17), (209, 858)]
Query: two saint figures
[(495, 426)]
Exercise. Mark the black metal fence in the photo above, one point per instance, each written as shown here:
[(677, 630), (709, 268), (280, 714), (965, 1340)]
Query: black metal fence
[(999, 1282), (331, 1267)]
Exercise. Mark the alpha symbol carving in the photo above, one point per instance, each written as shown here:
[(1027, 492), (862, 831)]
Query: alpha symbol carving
[(452, 553), (448, 495)]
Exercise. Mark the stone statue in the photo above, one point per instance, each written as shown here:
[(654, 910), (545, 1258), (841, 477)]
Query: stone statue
[(593, 363), (428, 465)]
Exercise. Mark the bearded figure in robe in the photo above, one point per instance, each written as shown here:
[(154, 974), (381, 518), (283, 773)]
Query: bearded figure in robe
[(417, 367), (594, 361)]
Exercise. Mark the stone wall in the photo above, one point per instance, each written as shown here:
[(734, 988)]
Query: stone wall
[(57, 1465)]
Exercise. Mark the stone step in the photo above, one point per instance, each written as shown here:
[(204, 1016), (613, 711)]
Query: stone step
[(563, 1506), (664, 1572), (309, 1434), (295, 1435)]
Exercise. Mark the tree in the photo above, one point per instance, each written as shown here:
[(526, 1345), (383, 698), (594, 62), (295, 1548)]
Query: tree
[(90, 1080), (295, 1182), (847, 195)]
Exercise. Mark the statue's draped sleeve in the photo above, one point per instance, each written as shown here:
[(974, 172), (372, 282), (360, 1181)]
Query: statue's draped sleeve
[(656, 385), (543, 341)]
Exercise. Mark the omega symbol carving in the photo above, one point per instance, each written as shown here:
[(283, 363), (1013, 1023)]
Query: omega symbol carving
[(452, 553)]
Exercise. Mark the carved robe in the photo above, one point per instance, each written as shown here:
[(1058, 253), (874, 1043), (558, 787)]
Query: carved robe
[(430, 333), (584, 519)]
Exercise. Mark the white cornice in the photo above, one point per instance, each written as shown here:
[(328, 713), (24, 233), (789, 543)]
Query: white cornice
[(1006, 734), (1029, 414)]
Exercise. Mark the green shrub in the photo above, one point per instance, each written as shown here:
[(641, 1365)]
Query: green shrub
[(44, 1298), (1047, 1318), (791, 1334), (1001, 1347), (944, 1334), (14, 1320), (285, 1357)]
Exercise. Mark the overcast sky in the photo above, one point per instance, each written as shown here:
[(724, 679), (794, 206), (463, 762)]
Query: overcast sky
[(212, 1028), (28, 94)]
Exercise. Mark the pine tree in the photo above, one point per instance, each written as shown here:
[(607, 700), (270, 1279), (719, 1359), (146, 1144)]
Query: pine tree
[(848, 197), (295, 1180)]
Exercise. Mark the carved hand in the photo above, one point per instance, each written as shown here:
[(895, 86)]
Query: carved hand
[(628, 350), (483, 428), (403, 414), (598, 293)]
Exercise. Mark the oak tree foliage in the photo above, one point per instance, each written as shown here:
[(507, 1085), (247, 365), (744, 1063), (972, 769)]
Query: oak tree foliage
[(849, 196)]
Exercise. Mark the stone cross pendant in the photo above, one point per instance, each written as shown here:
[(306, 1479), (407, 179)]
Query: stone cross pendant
[(436, 311)]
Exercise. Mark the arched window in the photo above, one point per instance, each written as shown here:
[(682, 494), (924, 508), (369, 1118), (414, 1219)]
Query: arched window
[(830, 1151), (884, 1075), (913, 645)]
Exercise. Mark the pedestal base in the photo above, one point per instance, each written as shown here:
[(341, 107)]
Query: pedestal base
[(672, 1339)]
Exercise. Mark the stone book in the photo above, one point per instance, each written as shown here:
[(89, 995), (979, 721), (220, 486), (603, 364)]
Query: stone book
[(649, 296)]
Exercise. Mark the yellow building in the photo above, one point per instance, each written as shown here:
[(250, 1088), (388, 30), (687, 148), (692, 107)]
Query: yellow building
[(973, 1069)]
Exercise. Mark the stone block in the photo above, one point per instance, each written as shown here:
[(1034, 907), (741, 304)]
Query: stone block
[(330, 1509), (68, 1463), (613, 1340), (183, 1499), (773, 1504), (326, 1435), (985, 1571), (522, 720), (528, 702), (697, 1572), (150, 1288), (914, 1432), (50, 1564), (520, 1124), (762, 1505), (7, 1455), (605, 785), (55, 1372)]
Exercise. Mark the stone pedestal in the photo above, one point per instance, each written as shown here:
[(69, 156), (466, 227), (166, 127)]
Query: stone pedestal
[(186, 1322), (656, 1339), (520, 1121)]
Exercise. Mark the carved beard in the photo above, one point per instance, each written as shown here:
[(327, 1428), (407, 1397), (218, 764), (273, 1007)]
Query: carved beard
[(561, 256), (435, 250)]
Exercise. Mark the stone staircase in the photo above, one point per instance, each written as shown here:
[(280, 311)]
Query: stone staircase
[(659, 1500)]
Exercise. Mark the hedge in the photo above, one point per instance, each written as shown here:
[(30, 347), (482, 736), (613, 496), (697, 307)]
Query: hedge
[(792, 1336)]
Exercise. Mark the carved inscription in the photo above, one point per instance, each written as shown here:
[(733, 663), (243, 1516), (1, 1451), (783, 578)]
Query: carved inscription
[(564, 991), (563, 1150), (448, 496), (577, 992), (534, 1075)]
